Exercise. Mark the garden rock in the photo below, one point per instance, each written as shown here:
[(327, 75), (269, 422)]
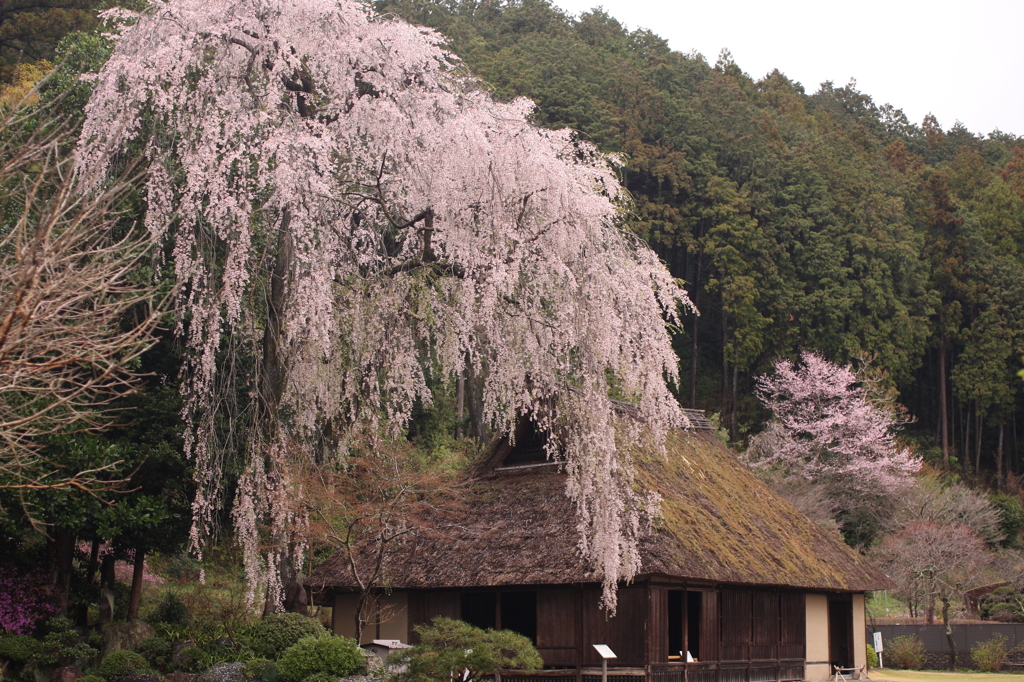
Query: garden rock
[(181, 677), (128, 635), (67, 673), (224, 672), (177, 652), (372, 665)]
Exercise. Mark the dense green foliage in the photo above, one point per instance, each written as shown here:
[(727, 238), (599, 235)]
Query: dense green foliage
[(18, 648), (63, 644), (157, 652), (320, 654), (261, 670), (280, 631), (447, 645), (121, 663)]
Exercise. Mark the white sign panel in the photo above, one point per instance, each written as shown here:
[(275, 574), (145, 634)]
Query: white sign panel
[(878, 641), (605, 651)]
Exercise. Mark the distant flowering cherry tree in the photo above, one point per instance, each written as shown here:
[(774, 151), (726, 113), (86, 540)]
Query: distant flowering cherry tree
[(827, 428), (346, 206)]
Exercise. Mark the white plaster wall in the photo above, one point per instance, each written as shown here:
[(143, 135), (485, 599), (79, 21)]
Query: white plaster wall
[(860, 645), (817, 667)]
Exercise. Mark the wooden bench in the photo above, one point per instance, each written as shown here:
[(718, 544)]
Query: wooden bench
[(860, 673)]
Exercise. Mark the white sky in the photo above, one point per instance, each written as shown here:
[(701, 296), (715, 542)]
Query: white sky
[(958, 60)]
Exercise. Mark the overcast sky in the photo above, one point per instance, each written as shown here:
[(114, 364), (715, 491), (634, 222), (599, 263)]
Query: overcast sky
[(958, 60)]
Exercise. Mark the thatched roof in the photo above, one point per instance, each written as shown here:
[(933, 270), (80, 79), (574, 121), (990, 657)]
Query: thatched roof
[(718, 523)]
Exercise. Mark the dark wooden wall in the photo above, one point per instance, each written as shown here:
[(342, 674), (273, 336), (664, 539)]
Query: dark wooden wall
[(736, 624), (559, 625)]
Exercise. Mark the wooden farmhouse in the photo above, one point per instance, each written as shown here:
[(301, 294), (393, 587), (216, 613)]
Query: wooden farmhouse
[(732, 575)]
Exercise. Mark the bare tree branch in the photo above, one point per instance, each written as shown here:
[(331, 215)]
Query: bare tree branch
[(74, 316)]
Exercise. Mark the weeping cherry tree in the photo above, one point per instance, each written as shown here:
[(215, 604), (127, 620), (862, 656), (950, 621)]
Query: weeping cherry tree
[(345, 207)]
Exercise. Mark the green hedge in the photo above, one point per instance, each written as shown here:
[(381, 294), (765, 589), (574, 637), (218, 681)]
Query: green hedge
[(338, 656)]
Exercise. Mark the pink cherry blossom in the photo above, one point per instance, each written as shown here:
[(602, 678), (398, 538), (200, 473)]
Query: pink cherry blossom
[(426, 223), (825, 426)]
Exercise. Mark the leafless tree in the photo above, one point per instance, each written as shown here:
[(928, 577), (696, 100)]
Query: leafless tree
[(75, 313), (369, 509), (935, 561)]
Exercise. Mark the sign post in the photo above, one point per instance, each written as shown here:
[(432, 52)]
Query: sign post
[(877, 636), (605, 652)]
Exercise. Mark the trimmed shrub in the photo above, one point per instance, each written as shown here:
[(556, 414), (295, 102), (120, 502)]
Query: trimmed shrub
[(276, 633), (990, 655), (18, 648), (122, 663), (62, 644), (448, 645), (91, 678), (260, 670), (906, 652), (170, 610), (338, 656), (157, 652), (872, 657)]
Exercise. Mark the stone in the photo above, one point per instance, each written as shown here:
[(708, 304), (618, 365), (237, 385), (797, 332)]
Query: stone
[(126, 635), (181, 677), (224, 672), (67, 673), (178, 652), (372, 665), (140, 678)]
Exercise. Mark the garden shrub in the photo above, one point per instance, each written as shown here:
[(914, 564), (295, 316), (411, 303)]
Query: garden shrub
[(63, 644), (277, 632), (182, 566), (91, 678), (872, 658), (447, 645), (170, 610), (907, 652), (990, 655), (338, 656), (193, 660), (157, 652), (260, 670), (121, 663), (18, 648)]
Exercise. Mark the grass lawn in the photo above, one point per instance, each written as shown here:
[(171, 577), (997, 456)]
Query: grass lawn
[(935, 676)]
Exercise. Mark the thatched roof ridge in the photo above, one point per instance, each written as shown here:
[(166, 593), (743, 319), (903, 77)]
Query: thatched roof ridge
[(718, 524)]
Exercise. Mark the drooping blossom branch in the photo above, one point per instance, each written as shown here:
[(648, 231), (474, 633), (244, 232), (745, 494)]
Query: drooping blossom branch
[(346, 205)]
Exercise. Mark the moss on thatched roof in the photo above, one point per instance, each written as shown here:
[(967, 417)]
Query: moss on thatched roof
[(718, 524)]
